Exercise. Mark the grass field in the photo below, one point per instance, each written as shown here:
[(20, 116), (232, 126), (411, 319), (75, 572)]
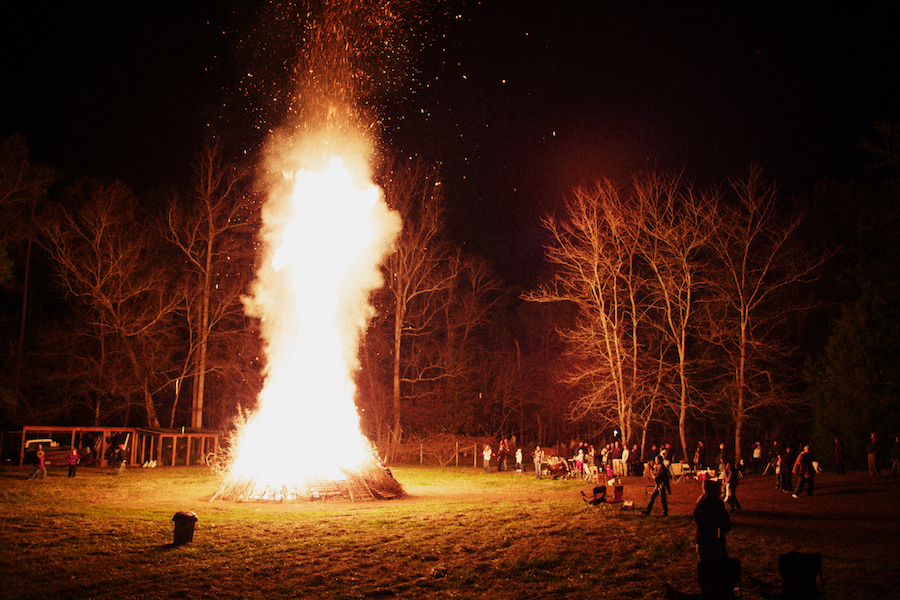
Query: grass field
[(460, 534)]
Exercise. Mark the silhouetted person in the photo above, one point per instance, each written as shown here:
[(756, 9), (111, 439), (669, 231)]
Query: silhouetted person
[(803, 469), (699, 457), (838, 455), (787, 461), (712, 521), (895, 458), (872, 451), (717, 573)]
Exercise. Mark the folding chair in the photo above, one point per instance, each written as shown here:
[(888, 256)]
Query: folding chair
[(598, 500), (679, 471), (801, 575)]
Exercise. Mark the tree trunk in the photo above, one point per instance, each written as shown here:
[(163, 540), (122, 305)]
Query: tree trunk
[(398, 411), (22, 321), (152, 419), (741, 390), (682, 412), (197, 412)]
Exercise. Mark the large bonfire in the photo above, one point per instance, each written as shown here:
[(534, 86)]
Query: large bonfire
[(326, 230)]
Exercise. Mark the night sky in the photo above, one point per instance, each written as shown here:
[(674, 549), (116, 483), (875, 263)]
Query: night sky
[(519, 101)]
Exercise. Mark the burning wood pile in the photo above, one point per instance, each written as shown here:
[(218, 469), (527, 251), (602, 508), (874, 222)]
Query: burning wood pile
[(371, 481)]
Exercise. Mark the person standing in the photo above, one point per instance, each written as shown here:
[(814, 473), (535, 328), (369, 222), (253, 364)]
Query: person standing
[(838, 455), (872, 452), (895, 458), (486, 454), (803, 469), (538, 457), (519, 468), (787, 460), (712, 521), (775, 463), (73, 459), (756, 458), (731, 476), (120, 457), (579, 463), (634, 460), (661, 478), (722, 458), (39, 466), (699, 457), (615, 456)]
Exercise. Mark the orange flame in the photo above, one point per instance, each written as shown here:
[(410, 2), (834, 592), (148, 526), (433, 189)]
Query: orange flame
[(325, 245)]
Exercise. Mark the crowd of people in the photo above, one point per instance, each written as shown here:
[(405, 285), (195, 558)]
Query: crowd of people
[(793, 468)]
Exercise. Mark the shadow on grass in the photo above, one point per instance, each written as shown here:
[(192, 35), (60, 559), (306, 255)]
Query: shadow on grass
[(169, 547)]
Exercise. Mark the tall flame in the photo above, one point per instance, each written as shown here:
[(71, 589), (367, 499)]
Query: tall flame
[(325, 243)]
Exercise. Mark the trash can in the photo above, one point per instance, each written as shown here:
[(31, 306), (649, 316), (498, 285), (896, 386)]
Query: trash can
[(184, 527)]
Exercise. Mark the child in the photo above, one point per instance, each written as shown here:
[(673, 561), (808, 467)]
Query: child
[(73, 459)]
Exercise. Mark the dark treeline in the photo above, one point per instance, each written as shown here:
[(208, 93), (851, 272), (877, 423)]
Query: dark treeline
[(669, 311)]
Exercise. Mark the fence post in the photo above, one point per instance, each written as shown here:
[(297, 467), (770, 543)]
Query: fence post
[(475, 456), (421, 455)]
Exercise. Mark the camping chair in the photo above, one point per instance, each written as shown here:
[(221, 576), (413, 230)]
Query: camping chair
[(801, 575), (679, 471), (594, 474), (598, 500)]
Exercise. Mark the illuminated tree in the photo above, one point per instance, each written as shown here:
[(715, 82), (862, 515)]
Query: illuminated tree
[(673, 226), (417, 280), (594, 252), (205, 231), (422, 354)]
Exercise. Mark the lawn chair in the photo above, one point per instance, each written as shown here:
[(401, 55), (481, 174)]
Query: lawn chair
[(598, 500), (801, 575), (679, 471)]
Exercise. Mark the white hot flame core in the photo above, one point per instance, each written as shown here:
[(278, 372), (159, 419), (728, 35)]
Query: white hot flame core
[(312, 297)]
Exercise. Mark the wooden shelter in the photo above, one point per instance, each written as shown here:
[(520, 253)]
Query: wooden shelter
[(165, 447)]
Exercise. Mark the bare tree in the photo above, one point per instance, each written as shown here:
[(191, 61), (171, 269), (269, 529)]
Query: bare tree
[(202, 230), (417, 278), (109, 261), (756, 269), (23, 187), (594, 251), (673, 221)]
